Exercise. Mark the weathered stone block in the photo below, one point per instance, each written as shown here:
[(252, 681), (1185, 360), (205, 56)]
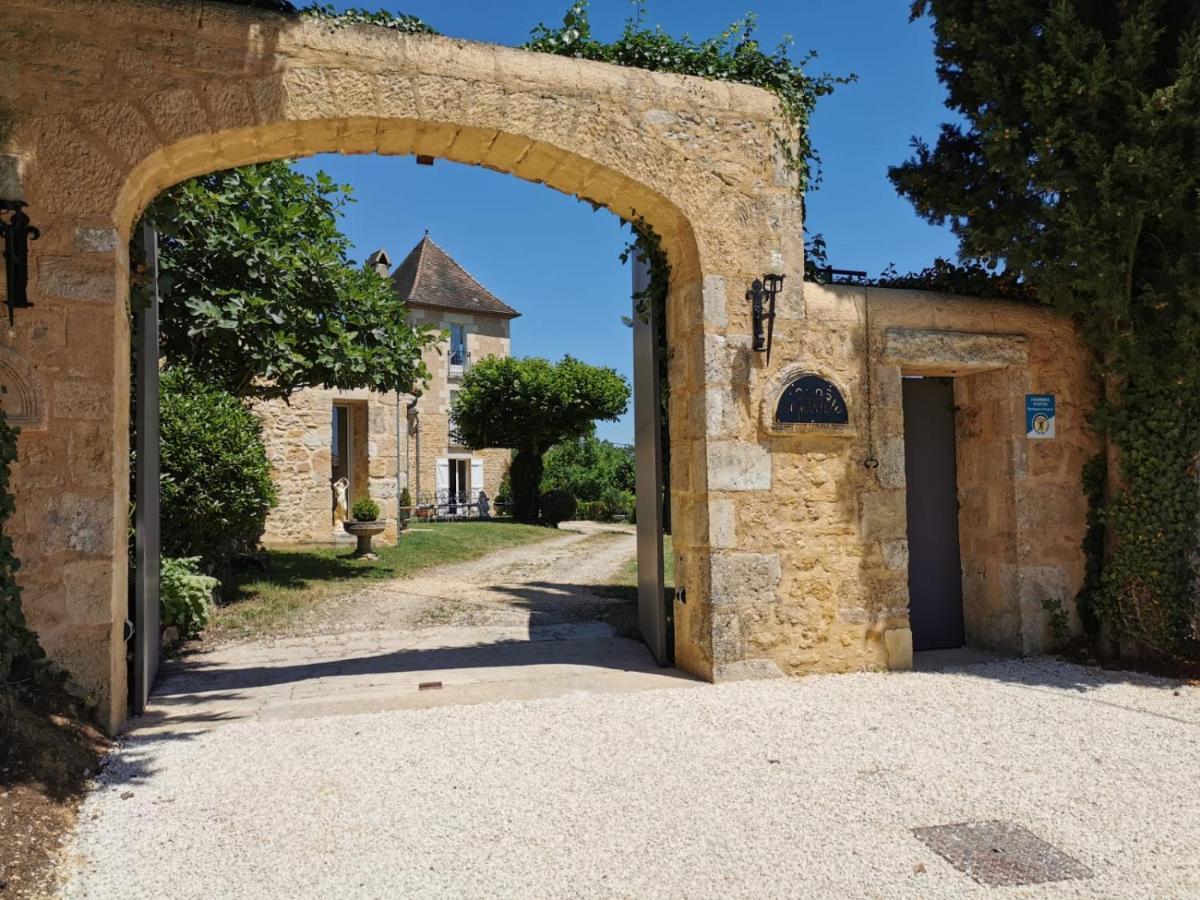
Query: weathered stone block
[(898, 642), (73, 280), (738, 466), (79, 523), (714, 291), (96, 240), (87, 587), (722, 524), (745, 577)]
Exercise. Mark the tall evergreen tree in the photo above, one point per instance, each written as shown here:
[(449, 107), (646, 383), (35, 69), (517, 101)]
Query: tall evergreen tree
[(1075, 164)]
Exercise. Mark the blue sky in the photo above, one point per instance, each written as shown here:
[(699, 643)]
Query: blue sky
[(556, 260)]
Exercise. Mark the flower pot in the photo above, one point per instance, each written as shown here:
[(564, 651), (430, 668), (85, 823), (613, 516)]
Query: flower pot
[(363, 532)]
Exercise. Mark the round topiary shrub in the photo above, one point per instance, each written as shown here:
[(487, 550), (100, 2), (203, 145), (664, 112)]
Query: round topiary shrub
[(365, 510), (557, 506), (216, 486)]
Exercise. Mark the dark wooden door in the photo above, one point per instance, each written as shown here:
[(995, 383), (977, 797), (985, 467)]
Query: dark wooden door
[(934, 566)]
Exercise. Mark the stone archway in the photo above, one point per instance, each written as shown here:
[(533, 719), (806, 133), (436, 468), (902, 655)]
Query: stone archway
[(104, 117)]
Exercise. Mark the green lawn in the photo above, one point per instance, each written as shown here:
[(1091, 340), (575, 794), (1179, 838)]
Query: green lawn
[(623, 586), (297, 578)]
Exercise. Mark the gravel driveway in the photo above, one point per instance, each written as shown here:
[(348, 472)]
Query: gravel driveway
[(800, 788), (534, 585)]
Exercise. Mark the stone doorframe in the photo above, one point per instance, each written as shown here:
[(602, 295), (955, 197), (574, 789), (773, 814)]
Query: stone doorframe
[(103, 118), (1001, 597)]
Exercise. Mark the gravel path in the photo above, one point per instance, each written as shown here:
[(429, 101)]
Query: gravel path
[(800, 788), (540, 585)]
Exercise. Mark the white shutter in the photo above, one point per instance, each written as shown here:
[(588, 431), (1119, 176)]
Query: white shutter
[(442, 475), (476, 477)]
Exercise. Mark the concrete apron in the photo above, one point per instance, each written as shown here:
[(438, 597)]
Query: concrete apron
[(330, 675)]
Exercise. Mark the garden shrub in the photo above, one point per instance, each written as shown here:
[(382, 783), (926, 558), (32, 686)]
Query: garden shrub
[(592, 511), (557, 506), (590, 468), (186, 595), (365, 510), (216, 486)]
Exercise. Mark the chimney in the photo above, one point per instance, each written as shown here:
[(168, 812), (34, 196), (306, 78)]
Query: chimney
[(380, 262)]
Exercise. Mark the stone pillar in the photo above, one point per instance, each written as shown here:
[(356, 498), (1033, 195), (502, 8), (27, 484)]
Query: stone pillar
[(722, 466), (72, 473)]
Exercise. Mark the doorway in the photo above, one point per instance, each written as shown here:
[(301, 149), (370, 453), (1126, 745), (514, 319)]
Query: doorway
[(339, 457), (934, 563)]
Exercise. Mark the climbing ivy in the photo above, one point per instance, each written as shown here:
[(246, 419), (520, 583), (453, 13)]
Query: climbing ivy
[(18, 645), (352, 16), (360, 16), (733, 55)]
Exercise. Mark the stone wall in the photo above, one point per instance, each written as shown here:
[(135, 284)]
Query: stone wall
[(298, 436), (808, 527), (790, 550)]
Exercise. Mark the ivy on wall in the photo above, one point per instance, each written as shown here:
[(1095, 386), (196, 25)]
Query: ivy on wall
[(18, 645), (734, 55)]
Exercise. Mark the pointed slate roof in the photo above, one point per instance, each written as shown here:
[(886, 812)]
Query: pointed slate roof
[(428, 276)]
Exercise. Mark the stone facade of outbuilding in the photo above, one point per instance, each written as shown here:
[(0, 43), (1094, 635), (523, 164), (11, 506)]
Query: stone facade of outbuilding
[(790, 549)]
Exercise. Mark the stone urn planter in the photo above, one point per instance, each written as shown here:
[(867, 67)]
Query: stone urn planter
[(363, 532)]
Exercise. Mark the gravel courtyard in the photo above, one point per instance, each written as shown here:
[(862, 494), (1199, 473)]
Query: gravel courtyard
[(802, 788)]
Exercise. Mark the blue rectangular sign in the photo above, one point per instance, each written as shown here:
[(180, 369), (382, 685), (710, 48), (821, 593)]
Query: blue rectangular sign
[(1039, 417)]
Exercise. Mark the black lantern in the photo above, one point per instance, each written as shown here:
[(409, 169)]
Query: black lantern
[(762, 296), (17, 234)]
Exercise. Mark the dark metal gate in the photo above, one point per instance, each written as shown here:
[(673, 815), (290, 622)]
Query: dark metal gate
[(653, 612), (146, 619), (934, 567)]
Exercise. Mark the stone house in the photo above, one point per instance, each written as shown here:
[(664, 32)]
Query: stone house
[(383, 443)]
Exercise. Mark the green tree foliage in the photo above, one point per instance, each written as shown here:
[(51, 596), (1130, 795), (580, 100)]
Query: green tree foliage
[(1076, 165), (530, 405), (18, 645), (734, 55), (216, 480), (598, 473), (259, 294)]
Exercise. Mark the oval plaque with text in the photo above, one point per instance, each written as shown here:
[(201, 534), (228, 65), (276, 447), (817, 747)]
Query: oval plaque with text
[(811, 400)]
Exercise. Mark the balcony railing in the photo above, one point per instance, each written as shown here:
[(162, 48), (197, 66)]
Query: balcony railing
[(446, 504), (460, 362)]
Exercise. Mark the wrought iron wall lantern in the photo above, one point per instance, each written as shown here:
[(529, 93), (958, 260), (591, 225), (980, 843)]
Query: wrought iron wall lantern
[(762, 296), (17, 234)]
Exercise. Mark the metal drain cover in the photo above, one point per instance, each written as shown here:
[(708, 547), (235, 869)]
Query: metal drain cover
[(1000, 853)]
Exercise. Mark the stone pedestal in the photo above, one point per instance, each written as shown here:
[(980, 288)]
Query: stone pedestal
[(363, 532)]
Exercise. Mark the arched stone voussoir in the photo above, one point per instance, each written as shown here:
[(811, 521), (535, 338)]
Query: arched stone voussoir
[(105, 118)]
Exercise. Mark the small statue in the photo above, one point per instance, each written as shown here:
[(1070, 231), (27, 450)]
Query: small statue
[(484, 506), (341, 488)]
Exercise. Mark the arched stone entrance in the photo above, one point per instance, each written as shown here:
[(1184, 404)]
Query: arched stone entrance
[(790, 536), (116, 100)]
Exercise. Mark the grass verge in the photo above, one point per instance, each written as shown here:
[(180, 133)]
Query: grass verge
[(295, 579), (624, 586)]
